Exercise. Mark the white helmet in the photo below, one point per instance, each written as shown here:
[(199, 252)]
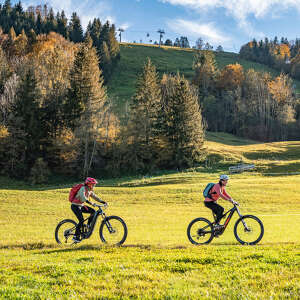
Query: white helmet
[(224, 177)]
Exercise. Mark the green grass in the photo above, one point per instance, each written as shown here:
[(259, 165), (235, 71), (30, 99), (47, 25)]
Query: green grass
[(167, 60), (157, 261)]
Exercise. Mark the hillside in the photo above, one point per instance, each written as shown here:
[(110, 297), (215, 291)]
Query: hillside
[(166, 60)]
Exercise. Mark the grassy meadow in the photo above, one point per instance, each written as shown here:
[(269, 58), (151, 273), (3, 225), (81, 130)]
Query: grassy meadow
[(122, 85), (157, 261)]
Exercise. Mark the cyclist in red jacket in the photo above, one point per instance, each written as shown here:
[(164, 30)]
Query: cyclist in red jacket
[(78, 207), (218, 191)]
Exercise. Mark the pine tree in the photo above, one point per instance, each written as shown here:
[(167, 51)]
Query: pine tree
[(144, 117), (75, 29), (182, 123), (105, 62), (113, 44), (62, 22), (205, 73), (25, 125), (86, 103)]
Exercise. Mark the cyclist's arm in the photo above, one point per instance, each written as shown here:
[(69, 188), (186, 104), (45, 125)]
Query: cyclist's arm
[(93, 195), (225, 196)]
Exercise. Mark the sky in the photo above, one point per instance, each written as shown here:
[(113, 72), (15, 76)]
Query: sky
[(229, 23)]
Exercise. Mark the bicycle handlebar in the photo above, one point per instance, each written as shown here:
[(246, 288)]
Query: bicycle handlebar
[(100, 205)]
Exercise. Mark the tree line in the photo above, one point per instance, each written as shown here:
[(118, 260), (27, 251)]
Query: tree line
[(282, 55), (19, 26), (56, 116), (246, 103)]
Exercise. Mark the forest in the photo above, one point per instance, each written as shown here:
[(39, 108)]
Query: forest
[(56, 117)]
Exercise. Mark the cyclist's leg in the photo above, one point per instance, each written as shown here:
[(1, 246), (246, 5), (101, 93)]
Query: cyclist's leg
[(216, 208), (88, 210), (77, 211)]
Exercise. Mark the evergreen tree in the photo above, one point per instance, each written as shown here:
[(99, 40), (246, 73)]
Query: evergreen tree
[(51, 23), (205, 73), (86, 102), (75, 29), (105, 62), (25, 124), (143, 120), (62, 22), (39, 24), (113, 44), (182, 123)]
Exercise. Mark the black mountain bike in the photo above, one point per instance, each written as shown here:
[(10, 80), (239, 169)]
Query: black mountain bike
[(248, 229), (113, 229)]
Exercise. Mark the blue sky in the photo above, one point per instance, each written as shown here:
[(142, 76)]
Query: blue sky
[(230, 23)]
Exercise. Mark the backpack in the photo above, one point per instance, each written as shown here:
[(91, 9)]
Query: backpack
[(207, 190), (74, 190)]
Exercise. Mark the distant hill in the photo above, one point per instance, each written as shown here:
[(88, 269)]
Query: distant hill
[(167, 60)]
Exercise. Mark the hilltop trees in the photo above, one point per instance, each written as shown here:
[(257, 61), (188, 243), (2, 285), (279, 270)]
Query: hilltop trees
[(282, 55), (22, 28)]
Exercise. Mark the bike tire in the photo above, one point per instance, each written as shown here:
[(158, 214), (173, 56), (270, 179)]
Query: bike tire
[(192, 236), (257, 222), (71, 225), (108, 237)]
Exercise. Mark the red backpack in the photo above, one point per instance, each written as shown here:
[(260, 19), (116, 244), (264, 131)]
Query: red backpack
[(74, 190)]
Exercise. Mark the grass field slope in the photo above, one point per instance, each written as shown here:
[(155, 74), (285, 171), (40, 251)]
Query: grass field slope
[(157, 261), (167, 60)]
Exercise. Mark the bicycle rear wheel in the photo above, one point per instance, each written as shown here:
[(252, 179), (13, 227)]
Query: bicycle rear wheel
[(64, 232), (113, 231), (200, 231), (248, 230)]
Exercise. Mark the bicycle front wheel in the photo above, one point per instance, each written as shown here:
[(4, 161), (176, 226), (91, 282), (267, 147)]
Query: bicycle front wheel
[(200, 231), (248, 230), (113, 231), (64, 232)]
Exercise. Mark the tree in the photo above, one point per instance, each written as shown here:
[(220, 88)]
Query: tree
[(182, 122), (75, 30), (168, 42), (208, 46), (105, 62), (24, 126), (219, 49), (143, 120), (86, 101), (62, 22), (199, 44), (205, 72)]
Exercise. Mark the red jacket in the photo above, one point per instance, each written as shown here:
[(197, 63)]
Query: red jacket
[(217, 192)]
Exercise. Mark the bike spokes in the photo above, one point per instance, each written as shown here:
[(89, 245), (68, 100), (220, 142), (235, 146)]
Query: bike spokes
[(200, 231), (113, 231), (65, 231), (249, 230)]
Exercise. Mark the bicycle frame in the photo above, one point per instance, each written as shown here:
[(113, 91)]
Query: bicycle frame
[(94, 221), (230, 213)]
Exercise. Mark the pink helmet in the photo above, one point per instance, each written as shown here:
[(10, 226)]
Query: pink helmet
[(90, 180)]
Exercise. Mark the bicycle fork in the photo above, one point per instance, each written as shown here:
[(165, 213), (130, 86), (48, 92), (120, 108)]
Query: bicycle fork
[(244, 223), (108, 225)]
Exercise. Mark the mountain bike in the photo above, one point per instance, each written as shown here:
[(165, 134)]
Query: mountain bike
[(248, 229), (112, 231)]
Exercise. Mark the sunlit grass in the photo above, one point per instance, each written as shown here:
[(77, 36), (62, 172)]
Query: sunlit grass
[(157, 261)]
